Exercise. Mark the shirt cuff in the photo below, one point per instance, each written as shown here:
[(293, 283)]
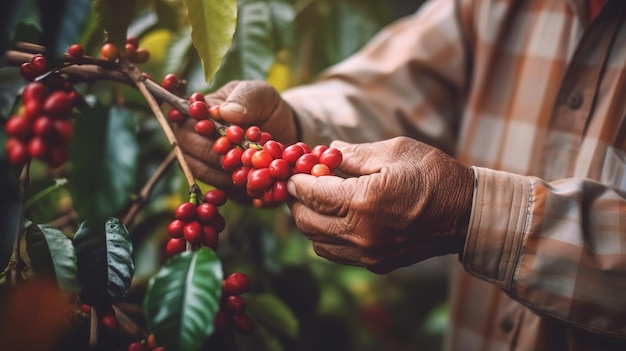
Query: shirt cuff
[(501, 214)]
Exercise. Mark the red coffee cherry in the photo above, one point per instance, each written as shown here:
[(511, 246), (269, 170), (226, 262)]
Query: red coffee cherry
[(44, 127), (222, 321), (170, 82), (320, 169), (32, 109), (331, 157), (280, 169), (109, 321), (235, 134), (218, 223), (274, 148), (36, 91), (109, 51), (205, 127), (242, 324), (185, 212), (261, 159), (131, 52), (196, 97), (28, 71), (40, 64), (206, 212), (259, 179), (246, 156), (240, 176), (318, 150), (174, 115), (222, 145), (17, 151), (63, 129), (235, 283), (175, 228), (232, 159), (58, 104), (235, 304), (134, 41), (305, 163), (198, 110), (253, 133), (57, 155), (210, 237), (37, 148), (216, 197), (141, 55), (265, 137), (280, 193), (292, 153), (76, 50), (175, 246), (18, 127), (192, 232)]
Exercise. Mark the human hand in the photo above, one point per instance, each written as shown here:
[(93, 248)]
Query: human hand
[(243, 103), (405, 202)]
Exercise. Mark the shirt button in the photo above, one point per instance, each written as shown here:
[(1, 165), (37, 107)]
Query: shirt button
[(574, 100)]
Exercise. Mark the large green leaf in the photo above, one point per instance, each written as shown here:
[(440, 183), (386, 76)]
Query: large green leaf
[(183, 298), (103, 154), (213, 24), (115, 17), (105, 261), (52, 254), (273, 313)]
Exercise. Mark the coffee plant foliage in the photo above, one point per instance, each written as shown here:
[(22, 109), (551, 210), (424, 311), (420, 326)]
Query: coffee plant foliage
[(93, 229)]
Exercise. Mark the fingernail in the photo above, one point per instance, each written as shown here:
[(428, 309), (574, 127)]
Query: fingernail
[(233, 108), (291, 187)]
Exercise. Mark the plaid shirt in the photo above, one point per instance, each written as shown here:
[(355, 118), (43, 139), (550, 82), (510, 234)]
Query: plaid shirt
[(532, 94)]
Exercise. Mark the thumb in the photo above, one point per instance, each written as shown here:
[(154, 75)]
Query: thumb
[(358, 159), (249, 102)]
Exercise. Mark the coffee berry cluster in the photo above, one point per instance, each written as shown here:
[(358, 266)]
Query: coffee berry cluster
[(232, 312), (197, 223), (41, 128), (257, 163), (148, 344)]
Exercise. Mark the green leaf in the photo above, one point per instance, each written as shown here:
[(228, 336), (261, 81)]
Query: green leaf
[(213, 24), (273, 314), (178, 53), (103, 154), (252, 52), (115, 16), (283, 17), (52, 254), (183, 298), (105, 261)]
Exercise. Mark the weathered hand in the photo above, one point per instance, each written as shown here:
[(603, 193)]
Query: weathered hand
[(243, 103), (404, 203)]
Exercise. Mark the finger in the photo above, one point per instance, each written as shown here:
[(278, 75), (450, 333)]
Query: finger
[(358, 159), (327, 195), (319, 227), (249, 100), (338, 253)]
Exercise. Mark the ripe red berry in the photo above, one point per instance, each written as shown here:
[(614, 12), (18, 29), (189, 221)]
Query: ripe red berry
[(198, 110), (279, 191), (320, 169), (259, 180), (222, 321), (109, 51), (280, 169), (304, 147), (174, 115), (134, 41), (235, 134), (318, 149), (175, 246), (37, 148), (192, 232), (170, 82), (246, 156), (44, 126), (214, 111), (76, 50), (265, 137), (242, 323), (305, 163), (18, 127), (240, 176), (235, 283), (185, 212), (292, 153), (253, 133), (205, 127), (206, 212), (58, 104), (17, 151), (63, 130), (109, 321), (86, 309), (218, 223), (131, 52), (261, 159), (209, 237), (40, 64), (216, 197), (332, 158), (274, 148), (196, 97), (32, 109), (28, 71), (175, 228), (137, 346), (34, 91), (235, 304), (57, 155), (232, 159), (222, 145), (141, 55)]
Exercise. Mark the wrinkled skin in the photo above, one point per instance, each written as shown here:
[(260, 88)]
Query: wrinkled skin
[(404, 202), (243, 103)]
